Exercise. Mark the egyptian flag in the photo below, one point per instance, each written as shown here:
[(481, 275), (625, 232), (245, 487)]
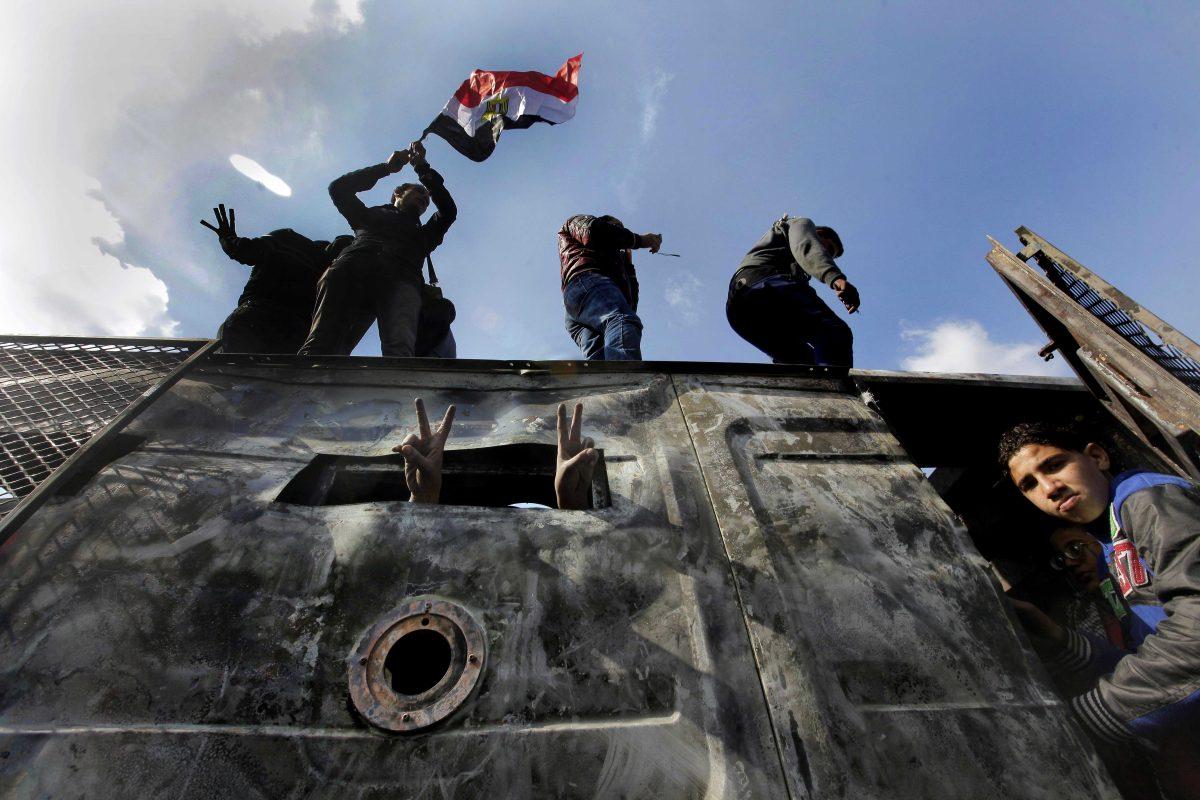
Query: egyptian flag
[(489, 102)]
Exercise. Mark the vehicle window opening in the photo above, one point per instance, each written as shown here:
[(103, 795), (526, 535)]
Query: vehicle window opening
[(482, 476)]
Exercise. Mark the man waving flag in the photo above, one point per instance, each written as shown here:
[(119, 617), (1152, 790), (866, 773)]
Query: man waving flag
[(488, 102)]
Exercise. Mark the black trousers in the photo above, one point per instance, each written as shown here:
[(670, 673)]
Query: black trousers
[(251, 329), (785, 319), (358, 288)]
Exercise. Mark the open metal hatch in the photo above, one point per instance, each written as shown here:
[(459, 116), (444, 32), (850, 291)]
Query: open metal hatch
[(1144, 371)]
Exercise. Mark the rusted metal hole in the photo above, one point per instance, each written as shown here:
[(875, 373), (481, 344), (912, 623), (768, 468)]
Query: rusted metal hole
[(418, 661), (416, 665)]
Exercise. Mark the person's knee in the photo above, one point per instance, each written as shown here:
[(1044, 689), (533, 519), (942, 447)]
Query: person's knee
[(836, 327), (621, 318)]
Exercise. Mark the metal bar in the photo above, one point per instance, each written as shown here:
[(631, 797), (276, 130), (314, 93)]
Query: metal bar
[(1175, 402), (181, 344), (1143, 384), (537, 368), (47, 488), (1183, 460), (1131, 307)]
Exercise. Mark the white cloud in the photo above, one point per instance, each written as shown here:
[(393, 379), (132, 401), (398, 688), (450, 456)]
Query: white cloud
[(260, 175), (652, 94), (85, 88), (485, 318), (57, 278), (966, 346), (350, 11), (631, 183), (683, 295)]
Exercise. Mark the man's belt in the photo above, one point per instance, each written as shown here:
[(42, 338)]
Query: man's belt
[(750, 275)]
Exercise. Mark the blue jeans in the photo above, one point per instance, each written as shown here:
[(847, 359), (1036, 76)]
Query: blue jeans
[(446, 348), (601, 321), (785, 319)]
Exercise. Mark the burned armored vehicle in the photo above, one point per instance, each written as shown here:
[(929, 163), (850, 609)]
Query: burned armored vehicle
[(211, 583)]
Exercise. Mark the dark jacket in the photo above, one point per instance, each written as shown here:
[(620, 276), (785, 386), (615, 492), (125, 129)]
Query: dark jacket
[(1155, 557), (286, 266), (789, 247), (602, 245), (396, 236)]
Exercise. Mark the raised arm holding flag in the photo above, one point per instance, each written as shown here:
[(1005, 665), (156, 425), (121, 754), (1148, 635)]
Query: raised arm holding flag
[(380, 272)]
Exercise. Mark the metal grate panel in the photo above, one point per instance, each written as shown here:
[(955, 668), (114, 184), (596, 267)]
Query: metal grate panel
[(56, 392), (1167, 356)]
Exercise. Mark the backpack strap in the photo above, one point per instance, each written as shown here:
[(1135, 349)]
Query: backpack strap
[(432, 275)]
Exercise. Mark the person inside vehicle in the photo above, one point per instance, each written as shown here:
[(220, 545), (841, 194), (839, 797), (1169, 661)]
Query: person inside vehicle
[(423, 453), (1147, 688)]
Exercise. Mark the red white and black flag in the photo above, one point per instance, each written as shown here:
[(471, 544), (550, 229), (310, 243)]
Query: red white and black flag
[(489, 102)]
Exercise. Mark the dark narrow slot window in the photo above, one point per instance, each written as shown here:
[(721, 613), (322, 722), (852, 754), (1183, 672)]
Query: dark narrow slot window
[(484, 476)]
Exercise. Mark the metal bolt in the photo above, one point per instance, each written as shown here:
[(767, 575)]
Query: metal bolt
[(405, 718)]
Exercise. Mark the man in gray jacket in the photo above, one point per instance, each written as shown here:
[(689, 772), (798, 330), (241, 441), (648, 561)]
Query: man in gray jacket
[(772, 306), (1151, 687)]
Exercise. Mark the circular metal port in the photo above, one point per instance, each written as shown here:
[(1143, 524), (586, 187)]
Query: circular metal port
[(417, 665)]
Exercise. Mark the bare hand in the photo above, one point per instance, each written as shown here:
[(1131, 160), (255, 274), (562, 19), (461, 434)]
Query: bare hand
[(1044, 631), (652, 241), (422, 453), (226, 224), (416, 154), (847, 294), (576, 460), (397, 160)]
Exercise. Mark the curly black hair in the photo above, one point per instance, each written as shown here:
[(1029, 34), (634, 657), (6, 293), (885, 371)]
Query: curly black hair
[(1054, 434)]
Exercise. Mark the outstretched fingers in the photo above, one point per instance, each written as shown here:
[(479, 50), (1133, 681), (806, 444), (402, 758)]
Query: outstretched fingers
[(576, 423), (209, 225), (562, 429), (443, 431), (422, 420)]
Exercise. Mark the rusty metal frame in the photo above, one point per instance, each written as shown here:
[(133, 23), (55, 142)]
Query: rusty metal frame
[(1161, 410), (385, 708)]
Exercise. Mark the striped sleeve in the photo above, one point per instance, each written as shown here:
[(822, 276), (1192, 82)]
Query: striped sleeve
[(1077, 654), (1101, 722)]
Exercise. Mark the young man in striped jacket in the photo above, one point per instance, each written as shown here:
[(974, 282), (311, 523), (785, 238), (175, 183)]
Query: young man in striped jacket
[(1151, 689)]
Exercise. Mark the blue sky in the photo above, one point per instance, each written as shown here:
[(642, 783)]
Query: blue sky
[(915, 129)]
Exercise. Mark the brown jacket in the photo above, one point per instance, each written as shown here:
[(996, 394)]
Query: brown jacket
[(598, 244)]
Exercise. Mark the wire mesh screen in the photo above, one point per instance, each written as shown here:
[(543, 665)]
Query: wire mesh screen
[(56, 393), (1144, 339)]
